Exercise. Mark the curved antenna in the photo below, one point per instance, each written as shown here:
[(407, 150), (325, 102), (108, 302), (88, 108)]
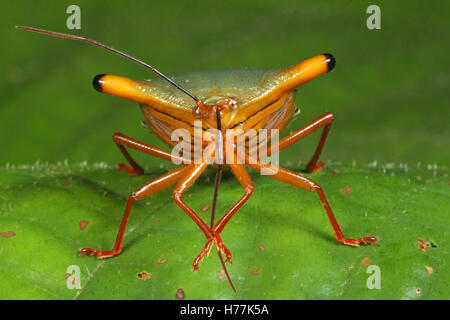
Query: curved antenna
[(123, 54)]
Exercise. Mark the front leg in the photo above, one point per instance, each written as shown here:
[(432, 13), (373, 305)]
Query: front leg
[(183, 184), (244, 179)]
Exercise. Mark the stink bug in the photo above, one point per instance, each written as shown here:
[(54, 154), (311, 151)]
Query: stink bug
[(242, 99)]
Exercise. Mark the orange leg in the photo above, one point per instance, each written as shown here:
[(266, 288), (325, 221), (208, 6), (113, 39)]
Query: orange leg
[(192, 174), (146, 190), (244, 178), (123, 141), (325, 121), (300, 181)]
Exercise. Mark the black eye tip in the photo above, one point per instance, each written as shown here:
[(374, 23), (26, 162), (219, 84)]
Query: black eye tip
[(331, 61), (97, 82)]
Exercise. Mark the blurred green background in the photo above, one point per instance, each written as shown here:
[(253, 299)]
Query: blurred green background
[(389, 94), (389, 90)]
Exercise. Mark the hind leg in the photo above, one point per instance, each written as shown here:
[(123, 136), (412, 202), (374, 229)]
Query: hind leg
[(123, 141), (302, 182)]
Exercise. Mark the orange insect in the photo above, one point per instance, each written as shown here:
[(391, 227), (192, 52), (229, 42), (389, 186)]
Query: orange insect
[(223, 100)]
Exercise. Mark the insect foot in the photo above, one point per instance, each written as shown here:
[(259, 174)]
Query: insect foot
[(131, 171), (99, 254), (206, 251), (221, 247), (357, 242), (315, 167)]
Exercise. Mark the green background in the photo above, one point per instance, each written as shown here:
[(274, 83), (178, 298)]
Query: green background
[(389, 94)]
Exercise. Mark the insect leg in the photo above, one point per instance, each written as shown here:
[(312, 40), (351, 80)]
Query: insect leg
[(325, 121), (146, 190), (123, 141), (183, 184), (300, 181), (244, 178)]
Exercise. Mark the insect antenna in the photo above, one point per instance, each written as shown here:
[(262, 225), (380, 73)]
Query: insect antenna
[(123, 54), (216, 191)]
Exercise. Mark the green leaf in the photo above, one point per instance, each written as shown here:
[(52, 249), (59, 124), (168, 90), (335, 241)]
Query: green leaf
[(389, 93), (281, 240)]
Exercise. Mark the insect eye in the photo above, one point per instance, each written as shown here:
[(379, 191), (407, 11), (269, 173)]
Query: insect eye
[(232, 102), (201, 110)]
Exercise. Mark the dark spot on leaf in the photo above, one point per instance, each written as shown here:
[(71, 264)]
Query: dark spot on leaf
[(180, 294), (184, 196), (261, 247), (222, 274), (7, 234), (346, 190), (423, 245), (366, 261), (83, 224), (254, 271), (205, 208), (334, 172), (418, 291), (66, 184), (157, 221), (143, 275)]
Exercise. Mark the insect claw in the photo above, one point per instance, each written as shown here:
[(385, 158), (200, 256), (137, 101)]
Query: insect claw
[(99, 254), (87, 251), (318, 166), (131, 171), (223, 248), (204, 252), (358, 242), (373, 240)]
